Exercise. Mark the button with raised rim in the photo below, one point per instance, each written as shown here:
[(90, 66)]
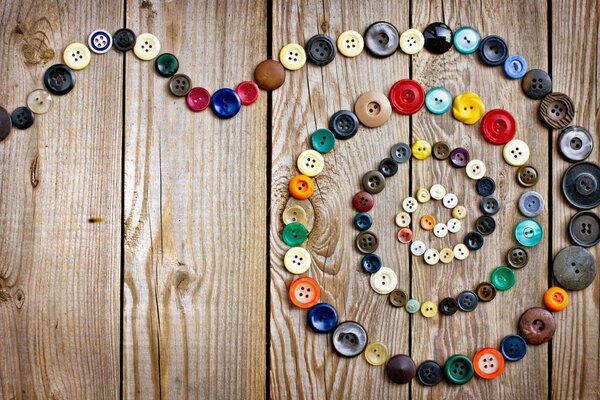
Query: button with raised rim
[(441, 150), (22, 118), (515, 67), (459, 157), (448, 306), (446, 255), (405, 235), (574, 268), (310, 163), (366, 242), (575, 143), (294, 234), (454, 225), (450, 200), (381, 39), (77, 56), (536, 84), (403, 219), (584, 229), (537, 325), (292, 56), (418, 248), (466, 40), (371, 263), (198, 99), (400, 153), (437, 191), (513, 347), (398, 298), (493, 50), (350, 43), (376, 353), (423, 195), (294, 213), (473, 241), (527, 176), (485, 225), (373, 182), (458, 369), (349, 339), (517, 257), (557, 110), (498, 126), (503, 278), (269, 74), (401, 369), (412, 306), (124, 39), (438, 100), (322, 140), (461, 251), (224, 103), (100, 41), (440, 230), (304, 292), (411, 41), (467, 301), (528, 233), (373, 109), (59, 79), (320, 49), (556, 299), (363, 201), (248, 92), (581, 185), (407, 96), (297, 260), (485, 292), (431, 256), (475, 169), (428, 309), (489, 205), (363, 221), (166, 64), (147, 47), (438, 37), (180, 85), (383, 281), (429, 373), (468, 108), (488, 363), (322, 318), (343, 124), (410, 204), (531, 204), (486, 186), (515, 152)]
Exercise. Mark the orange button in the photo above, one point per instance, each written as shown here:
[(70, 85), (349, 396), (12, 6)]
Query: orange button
[(305, 292), (427, 222), (556, 299), (301, 187), (488, 363)]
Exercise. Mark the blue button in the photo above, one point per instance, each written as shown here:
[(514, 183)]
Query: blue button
[(438, 100), (225, 103), (515, 67), (531, 204), (371, 263), (528, 233), (363, 221), (466, 40), (322, 318), (486, 186), (513, 347)]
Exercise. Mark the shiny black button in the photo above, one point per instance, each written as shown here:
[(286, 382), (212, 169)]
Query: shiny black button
[(124, 39), (580, 185), (536, 84), (400, 153), (5, 123), (438, 37), (489, 205), (584, 229), (448, 306), (473, 240), (381, 39), (486, 186), (493, 50), (485, 225), (22, 118), (429, 373), (59, 79), (320, 49), (467, 301), (388, 167), (343, 124)]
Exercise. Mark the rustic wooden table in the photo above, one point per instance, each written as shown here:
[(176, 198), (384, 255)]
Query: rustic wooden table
[(140, 253)]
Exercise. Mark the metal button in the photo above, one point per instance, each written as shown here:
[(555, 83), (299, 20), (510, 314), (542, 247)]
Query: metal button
[(382, 39), (574, 268), (575, 143), (373, 182), (349, 339), (584, 228), (366, 242), (580, 185)]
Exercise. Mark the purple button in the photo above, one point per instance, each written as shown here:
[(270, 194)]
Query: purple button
[(459, 157)]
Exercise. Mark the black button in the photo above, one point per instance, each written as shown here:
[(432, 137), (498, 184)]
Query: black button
[(473, 240), (438, 37), (536, 84), (485, 225), (59, 79), (400, 153), (493, 50), (489, 205), (124, 39), (371, 263), (320, 49), (486, 292), (584, 228), (486, 186), (448, 306), (22, 118), (517, 257), (580, 185), (381, 39), (388, 167), (429, 373), (5, 123), (343, 124), (467, 301)]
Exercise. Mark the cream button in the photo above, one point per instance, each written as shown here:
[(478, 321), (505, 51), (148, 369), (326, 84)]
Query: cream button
[(310, 163), (411, 41), (454, 225), (450, 200), (460, 251), (409, 204), (417, 248), (423, 195), (383, 281), (294, 213), (297, 260), (475, 169), (437, 191), (147, 47), (515, 153), (446, 255), (440, 230), (431, 256), (403, 219), (77, 56), (39, 101), (459, 212), (350, 43), (428, 309), (292, 56)]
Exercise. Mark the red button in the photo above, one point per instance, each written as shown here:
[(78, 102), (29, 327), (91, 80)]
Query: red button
[(363, 201), (305, 292), (248, 92), (407, 96), (197, 99), (405, 235), (498, 126)]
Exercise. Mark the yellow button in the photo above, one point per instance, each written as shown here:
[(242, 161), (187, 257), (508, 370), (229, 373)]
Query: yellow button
[(476, 169), (459, 212), (460, 251), (421, 149), (310, 163), (294, 213), (77, 56), (446, 255), (515, 153), (427, 222), (297, 260), (437, 191), (431, 256), (376, 354), (350, 43), (468, 108), (146, 47), (423, 195), (409, 204), (403, 219), (428, 309), (411, 41), (292, 56)]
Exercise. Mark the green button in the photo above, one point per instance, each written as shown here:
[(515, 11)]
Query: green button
[(528, 233), (412, 306), (503, 278), (294, 234), (458, 369), (322, 140), (166, 64)]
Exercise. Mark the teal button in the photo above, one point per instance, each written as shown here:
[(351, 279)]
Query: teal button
[(458, 369), (166, 64), (294, 234), (322, 140), (503, 278), (529, 233), (438, 100), (466, 40), (412, 306)]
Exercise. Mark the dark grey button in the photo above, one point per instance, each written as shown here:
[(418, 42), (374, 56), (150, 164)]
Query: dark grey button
[(320, 49), (473, 240), (400, 153), (429, 373), (517, 257), (448, 306), (485, 225), (493, 50), (381, 39), (536, 84), (467, 301), (489, 205), (575, 143), (373, 182), (574, 268), (5, 123), (22, 118), (343, 124), (486, 186), (124, 39), (180, 85), (388, 167), (580, 185), (349, 339), (527, 176), (584, 228), (59, 79), (366, 242), (531, 204)]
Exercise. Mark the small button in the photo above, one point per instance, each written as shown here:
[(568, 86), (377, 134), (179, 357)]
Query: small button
[(528, 233), (269, 75), (304, 292), (373, 109), (575, 143), (381, 39), (459, 212), (371, 263), (22, 118), (294, 234), (349, 339), (527, 176), (438, 38), (537, 326), (247, 91), (503, 278), (459, 157), (580, 185), (400, 153), (446, 255), (412, 306), (448, 306), (517, 257), (513, 347), (407, 96), (401, 369), (493, 50), (301, 187), (468, 108), (398, 298), (486, 186), (421, 149), (428, 309), (147, 47), (423, 195), (485, 292), (292, 56), (427, 222), (405, 235), (417, 248), (431, 256), (376, 354), (475, 169), (441, 150), (498, 126), (467, 301), (450, 200), (343, 124), (180, 85), (466, 40), (574, 268), (454, 225), (531, 204), (59, 79), (458, 369), (556, 299), (411, 41), (438, 100), (440, 230), (197, 99), (557, 110), (488, 363), (536, 84), (39, 101), (366, 242), (515, 67), (124, 39), (350, 43), (294, 213), (429, 373), (166, 64), (310, 162), (473, 241), (100, 41), (320, 50), (77, 56), (297, 260), (437, 191), (225, 102), (410, 204), (363, 201), (373, 182), (322, 318), (402, 219), (322, 140), (383, 281), (485, 225), (515, 153), (584, 229)]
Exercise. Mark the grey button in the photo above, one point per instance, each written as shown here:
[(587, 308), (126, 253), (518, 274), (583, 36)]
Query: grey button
[(489, 205), (584, 228), (381, 39), (575, 143), (373, 182), (320, 49), (531, 204), (343, 124), (536, 84), (574, 268), (180, 85), (485, 225), (349, 339), (580, 185), (400, 153), (467, 301)]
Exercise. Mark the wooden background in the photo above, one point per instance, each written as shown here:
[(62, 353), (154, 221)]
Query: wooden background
[(139, 242)]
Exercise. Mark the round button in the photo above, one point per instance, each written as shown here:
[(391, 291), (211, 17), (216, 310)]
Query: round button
[(180, 85), (166, 64), (321, 49), (427, 222), (197, 99), (537, 326), (373, 109), (467, 108), (405, 235), (486, 186), (458, 369), (366, 242), (459, 157), (77, 56), (363, 201), (467, 301), (124, 39), (438, 37), (381, 39), (574, 268), (461, 251), (575, 143), (363, 221), (584, 229), (527, 176), (440, 230), (310, 163), (401, 369), (528, 233), (383, 281), (429, 373), (350, 43), (493, 50), (269, 75), (322, 140), (503, 278), (100, 41), (39, 101), (147, 47), (247, 91), (450, 200), (398, 298), (407, 96), (513, 347), (446, 255), (417, 248), (371, 263), (402, 219), (225, 102), (441, 150), (498, 126), (485, 292), (294, 234), (454, 225), (437, 191), (410, 204), (517, 257), (428, 309), (459, 212), (536, 84), (515, 67), (292, 56), (557, 110), (59, 79), (431, 256), (304, 292), (412, 306), (421, 149), (580, 185), (343, 124), (411, 41), (473, 241), (556, 299), (423, 195), (294, 213), (376, 354), (373, 182), (22, 118), (466, 40), (349, 339), (448, 306), (531, 204), (400, 153), (297, 260), (301, 187), (485, 225), (475, 169), (438, 100), (488, 363), (515, 152), (5, 123), (322, 318)]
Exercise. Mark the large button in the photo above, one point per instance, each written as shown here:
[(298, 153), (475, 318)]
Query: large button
[(437, 192), (301, 187), (580, 185), (77, 56), (371, 263), (400, 153), (584, 229), (528, 233), (376, 354), (421, 149), (412, 306), (401, 369), (248, 92), (448, 306), (269, 75), (350, 43), (310, 162), (294, 234), (493, 50), (556, 299), (429, 373), (349, 339), (381, 39), (225, 102), (498, 126), (458, 369), (459, 157), (100, 41), (536, 84), (180, 85), (468, 108), (373, 182), (503, 278), (473, 241), (22, 118), (363, 201), (124, 39), (147, 47), (343, 124), (431, 256), (5, 123), (574, 268), (515, 67), (398, 298), (575, 143), (418, 248), (294, 213), (438, 100), (322, 318), (198, 99), (321, 49), (557, 110), (515, 152), (485, 225), (304, 292), (531, 204), (366, 242), (297, 260), (466, 40), (475, 169), (407, 96), (489, 205), (488, 363), (405, 235), (438, 37), (383, 281), (410, 204), (292, 56), (513, 347), (363, 221), (485, 292), (411, 41), (517, 257), (39, 101), (467, 301), (527, 176), (537, 325), (373, 109), (441, 150), (166, 64), (428, 309), (402, 219), (59, 79), (322, 140)]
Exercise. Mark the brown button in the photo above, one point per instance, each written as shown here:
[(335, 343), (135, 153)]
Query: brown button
[(366, 242), (517, 257), (527, 176), (398, 298), (5, 123), (557, 110), (536, 84), (363, 201), (373, 182), (537, 325), (427, 222), (401, 368), (269, 75), (485, 291), (180, 85), (441, 150), (373, 109)]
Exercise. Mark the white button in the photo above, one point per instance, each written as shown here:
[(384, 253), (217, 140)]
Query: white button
[(409, 204), (446, 255), (454, 225), (440, 230), (383, 281), (460, 251), (476, 169), (417, 248), (437, 191), (515, 153), (411, 41), (350, 43), (450, 200), (431, 256), (39, 101), (297, 260), (147, 47), (100, 41), (403, 219), (310, 163)]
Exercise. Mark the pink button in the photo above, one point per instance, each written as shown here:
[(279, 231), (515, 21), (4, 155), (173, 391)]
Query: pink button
[(248, 92), (198, 99), (405, 235)]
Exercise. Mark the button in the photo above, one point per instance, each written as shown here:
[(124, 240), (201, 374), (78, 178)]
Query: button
[(575, 143), (402, 219), (366, 242), (411, 41), (537, 326), (515, 152), (527, 176), (458, 369), (467, 301), (475, 169), (407, 96), (198, 99), (297, 260), (446, 255), (371, 263), (304, 292), (574, 268), (225, 102), (517, 257), (515, 67), (450, 200), (454, 225), (322, 140), (556, 299), (498, 126), (440, 230), (350, 43), (147, 47), (322, 318), (405, 235), (381, 39), (486, 186), (398, 298), (528, 233), (412, 306), (409, 204), (59, 79), (429, 373), (166, 64), (428, 309), (301, 187), (448, 306), (77, 56), (5, 124), (310, 162), (431, 256), (417, 248), (437, 191), (438, 100), (459, 157), (423, 195), (383, 281), (363, 201), (536, 84), (124, 39), (401, 369), (373, 182), (343, 124), (100, 41), (363, 221), (421, 149), (488, 363), (180, 85), (292, 56), (461, 252), (513, 347), (485, 225), (373, 109), (584, 229), (531, 204), (247, 91), (39, 101), (485, 292), (466, 40), (376, 354), (349, 339), (441, 150), (468, 108), (295, 213), (269, 75), (438, 37), (294, 234), (320, 49), (22, 118), (400, 153), (427, 222), (503, 278), (580, 185), (473, 241), (493, 50), (557, 110)]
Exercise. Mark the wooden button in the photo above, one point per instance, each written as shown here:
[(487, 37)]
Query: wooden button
[(401, 369), (537, 325), (373, 109), (557, 110), (269, 74)]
